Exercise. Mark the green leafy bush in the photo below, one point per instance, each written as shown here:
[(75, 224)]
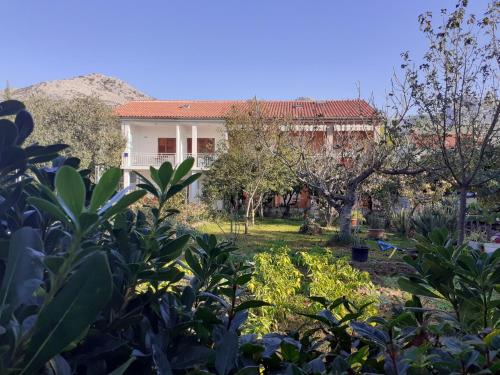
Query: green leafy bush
[(275, 280), (400, 221), (288, 280), (335, 278), (435, 216)]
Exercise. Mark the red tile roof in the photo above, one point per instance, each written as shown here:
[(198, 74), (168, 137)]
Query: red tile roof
[(213, 109)]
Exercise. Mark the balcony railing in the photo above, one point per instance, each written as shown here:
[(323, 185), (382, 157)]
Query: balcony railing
[(203, 160), (145, 159)]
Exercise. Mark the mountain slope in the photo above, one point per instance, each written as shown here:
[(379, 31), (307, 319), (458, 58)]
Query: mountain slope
[(112, 91)]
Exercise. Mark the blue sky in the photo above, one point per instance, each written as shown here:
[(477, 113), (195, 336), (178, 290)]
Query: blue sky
[(217, 49)]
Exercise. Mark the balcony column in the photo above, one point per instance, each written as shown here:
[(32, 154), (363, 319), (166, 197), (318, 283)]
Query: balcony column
[(178, 145), (126, 178), (127, 134), (194, 192), (194, 144)]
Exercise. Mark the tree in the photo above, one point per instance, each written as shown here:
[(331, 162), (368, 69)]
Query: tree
[(245, 166), (84, 123), (455, 94)]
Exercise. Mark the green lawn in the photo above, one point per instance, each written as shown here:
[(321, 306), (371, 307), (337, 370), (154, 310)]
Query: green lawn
[(384, 270), (270, 231)]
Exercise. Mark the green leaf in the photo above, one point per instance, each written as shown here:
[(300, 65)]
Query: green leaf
[(70, 313), (193, 263), (182, 170), (49, 208), (10, 107), (24, 247), (8, 133), (173, 249), (165, 174), (414, 288), (155, 175), (105, 188), (251, 304), (226, 353), (123, 203), (191, 179), (70, 189)]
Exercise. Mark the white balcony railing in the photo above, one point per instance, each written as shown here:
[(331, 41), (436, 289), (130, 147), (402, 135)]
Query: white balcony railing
[(203, 160), (146, 159)]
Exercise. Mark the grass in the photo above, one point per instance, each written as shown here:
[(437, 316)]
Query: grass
[(270, 231)]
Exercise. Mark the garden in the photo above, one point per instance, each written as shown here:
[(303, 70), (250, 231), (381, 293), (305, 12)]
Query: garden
[(390, 268)]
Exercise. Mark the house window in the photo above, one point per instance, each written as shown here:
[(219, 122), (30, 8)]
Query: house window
[(205, 145), (166, 146)]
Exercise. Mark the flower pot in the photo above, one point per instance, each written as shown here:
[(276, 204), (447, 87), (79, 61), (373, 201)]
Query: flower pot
[(376, 233), (359, 253), (490, 247), (354, 222)]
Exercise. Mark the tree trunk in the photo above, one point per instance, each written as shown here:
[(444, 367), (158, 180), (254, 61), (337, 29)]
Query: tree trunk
[(247, 214), (261, 210), (462, 207), (345, 220)]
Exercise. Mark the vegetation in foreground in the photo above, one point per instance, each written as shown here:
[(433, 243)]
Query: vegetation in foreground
[(92, 287)]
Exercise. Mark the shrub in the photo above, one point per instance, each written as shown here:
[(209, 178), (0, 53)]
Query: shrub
[(277, 281), (287, 281), (435, 216), (310, 227), (334, 278), (400, 221)]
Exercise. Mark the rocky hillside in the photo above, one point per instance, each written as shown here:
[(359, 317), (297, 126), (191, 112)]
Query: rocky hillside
[(112, 91)]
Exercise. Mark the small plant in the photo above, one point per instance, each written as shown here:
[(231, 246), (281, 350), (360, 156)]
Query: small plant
[(400, 221), (358, 217), (310, 227)]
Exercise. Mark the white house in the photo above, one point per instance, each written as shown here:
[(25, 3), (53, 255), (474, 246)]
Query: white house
[(157, 130)]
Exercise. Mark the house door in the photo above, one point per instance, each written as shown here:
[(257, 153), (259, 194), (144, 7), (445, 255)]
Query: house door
[(166, 146)]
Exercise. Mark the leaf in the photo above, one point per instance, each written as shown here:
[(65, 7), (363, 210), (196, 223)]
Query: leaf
[(226, 352), (10, 107), (49, 208), (414, 288), (105, 188), (193, 263), (173, 248), (155, 176), (70, 189), (70, 313), (24, 123), (182, 169), (249, 370), (8, 133), (25, 247), (251, 304), (121, 369), (165, 174), (123, 203), (191, 179)]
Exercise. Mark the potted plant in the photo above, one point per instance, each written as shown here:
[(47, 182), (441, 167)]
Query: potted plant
[(376, 230), (359, 249), (357, 218)]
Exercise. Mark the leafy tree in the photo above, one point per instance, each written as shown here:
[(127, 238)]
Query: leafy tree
[(246, 164), (455, 94), (86, 124)]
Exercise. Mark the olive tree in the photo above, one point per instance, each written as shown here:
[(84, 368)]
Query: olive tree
[(454, 92), (84, 123), (246, 167)]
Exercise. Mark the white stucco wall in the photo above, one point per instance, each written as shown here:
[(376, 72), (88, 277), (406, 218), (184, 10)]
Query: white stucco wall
[(145, 134)]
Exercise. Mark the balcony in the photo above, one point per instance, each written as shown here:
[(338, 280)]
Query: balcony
[(143, 160)]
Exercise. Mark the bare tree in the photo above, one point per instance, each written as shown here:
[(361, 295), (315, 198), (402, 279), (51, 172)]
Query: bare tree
[(454, 93)]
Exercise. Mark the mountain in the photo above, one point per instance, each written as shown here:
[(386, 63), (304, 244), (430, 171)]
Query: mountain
[(112, 91)]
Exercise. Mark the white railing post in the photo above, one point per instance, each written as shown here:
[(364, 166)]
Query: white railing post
[(178, 145), (194, 144)]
